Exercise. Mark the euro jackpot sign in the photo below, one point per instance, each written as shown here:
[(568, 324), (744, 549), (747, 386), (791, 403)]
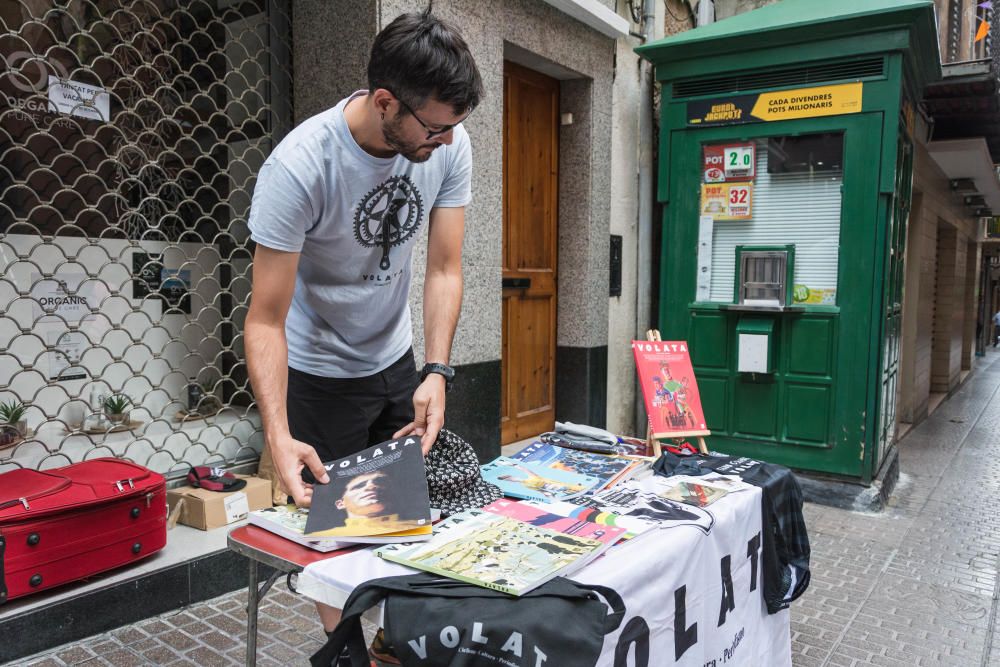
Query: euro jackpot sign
[(778, 105)]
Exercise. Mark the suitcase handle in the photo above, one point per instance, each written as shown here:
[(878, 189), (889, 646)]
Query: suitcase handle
[(11, 503)]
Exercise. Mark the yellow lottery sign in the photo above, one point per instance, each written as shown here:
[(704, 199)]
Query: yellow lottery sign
[(808, 102), (834, 100)]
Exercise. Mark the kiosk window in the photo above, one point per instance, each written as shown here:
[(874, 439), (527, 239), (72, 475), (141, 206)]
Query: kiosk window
[(791, 197)]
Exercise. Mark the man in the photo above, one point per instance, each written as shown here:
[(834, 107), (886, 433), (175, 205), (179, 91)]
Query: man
[(335, 214), (996, 328)]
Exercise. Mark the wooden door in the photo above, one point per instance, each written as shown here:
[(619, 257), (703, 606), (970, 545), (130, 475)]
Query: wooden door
[(530, 197)]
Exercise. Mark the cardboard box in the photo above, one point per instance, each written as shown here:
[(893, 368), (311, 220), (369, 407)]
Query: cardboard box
[(206, 509)]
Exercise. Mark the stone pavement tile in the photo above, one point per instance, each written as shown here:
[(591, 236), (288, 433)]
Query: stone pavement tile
[(199, 627), (158, 655), (45, 662), (129, 635), (293, 637), (206, 657), (74, 654), (230, 603), (284, 653), (182, 619), (154, 627), (177, 640), (227, 624), (124, 658), (219, 641)]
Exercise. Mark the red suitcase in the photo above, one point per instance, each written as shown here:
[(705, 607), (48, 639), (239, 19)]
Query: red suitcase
[(66, 524)]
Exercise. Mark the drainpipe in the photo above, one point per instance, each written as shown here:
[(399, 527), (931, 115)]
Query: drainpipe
[(644, 255)]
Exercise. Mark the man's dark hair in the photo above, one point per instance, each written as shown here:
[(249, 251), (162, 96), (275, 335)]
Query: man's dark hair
[(418, 56)]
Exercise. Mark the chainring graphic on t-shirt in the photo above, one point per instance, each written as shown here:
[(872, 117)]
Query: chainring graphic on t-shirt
[(388, 215)]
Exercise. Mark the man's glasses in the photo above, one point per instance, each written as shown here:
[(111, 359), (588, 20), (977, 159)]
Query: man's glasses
[(444, 129)]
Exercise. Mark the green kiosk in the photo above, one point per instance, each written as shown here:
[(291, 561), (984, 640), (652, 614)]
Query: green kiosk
[(784, 173)]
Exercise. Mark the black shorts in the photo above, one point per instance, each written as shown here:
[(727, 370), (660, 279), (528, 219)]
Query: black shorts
[(340, 416)]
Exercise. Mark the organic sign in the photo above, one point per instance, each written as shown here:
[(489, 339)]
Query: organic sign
[(834, 100)]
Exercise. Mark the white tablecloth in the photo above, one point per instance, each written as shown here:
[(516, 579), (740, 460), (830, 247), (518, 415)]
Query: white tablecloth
[(675, 587)]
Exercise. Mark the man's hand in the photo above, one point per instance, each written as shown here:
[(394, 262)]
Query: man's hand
[(290, 457), (428, 412)]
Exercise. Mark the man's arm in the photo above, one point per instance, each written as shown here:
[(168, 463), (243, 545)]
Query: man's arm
[(267, 363), (442, 303)]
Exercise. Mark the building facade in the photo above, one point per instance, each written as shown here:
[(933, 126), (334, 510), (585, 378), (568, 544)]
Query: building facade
[(132, 134)]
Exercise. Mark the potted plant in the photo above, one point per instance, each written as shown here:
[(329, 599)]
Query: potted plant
[(13, 425), (115, 407)]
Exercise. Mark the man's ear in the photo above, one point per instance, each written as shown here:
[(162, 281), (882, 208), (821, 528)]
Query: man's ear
[(340, 505), (382, 99)]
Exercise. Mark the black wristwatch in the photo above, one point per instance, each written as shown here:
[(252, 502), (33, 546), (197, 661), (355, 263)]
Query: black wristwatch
[(447, 372)]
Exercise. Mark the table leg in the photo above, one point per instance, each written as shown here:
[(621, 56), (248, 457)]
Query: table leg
[(252, 602)]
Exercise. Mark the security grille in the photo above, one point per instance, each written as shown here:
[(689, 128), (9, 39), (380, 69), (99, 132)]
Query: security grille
[(131, 136)]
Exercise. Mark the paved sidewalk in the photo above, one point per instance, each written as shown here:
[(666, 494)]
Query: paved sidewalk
[(914, 585)]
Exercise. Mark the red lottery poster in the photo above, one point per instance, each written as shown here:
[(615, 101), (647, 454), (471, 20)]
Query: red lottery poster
[(669, 388)]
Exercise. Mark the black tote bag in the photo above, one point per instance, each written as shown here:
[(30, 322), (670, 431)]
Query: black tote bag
[(431, 621)]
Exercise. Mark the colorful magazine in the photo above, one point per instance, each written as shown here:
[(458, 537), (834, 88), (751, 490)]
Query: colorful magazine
[(379, 490), (531, 481), (495, 551), (669, 388), (633, 527), (608, 469), (646, 500), (289, 522), (694, 493), (538, 515)]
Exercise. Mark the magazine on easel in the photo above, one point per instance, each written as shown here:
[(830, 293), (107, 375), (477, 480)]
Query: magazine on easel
[(289, 522), (494, 551), (379, 490), (669, 388), (530, 481)]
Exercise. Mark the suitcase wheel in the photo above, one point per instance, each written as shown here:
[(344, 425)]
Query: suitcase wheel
[(35, 581), (135, 512), (136, 548), (33, 539)]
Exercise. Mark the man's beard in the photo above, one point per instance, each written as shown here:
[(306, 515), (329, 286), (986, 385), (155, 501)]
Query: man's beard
[(390, 130)]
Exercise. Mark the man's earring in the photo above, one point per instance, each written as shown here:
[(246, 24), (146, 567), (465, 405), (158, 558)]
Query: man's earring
[(383, 115)]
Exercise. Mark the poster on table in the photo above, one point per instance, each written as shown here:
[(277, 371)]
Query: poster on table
[(669, 388), (727, 201)]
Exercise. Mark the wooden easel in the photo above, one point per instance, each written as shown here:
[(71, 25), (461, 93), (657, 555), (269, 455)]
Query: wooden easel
[(653, 443)]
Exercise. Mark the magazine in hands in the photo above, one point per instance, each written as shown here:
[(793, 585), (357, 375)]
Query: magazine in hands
[(379, 490), (494, 551)]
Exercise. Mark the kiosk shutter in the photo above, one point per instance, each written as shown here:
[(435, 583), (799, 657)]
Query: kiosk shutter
[(800, 207)]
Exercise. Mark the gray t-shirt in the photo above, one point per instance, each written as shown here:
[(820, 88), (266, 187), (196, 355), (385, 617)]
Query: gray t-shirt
[(320, 194)]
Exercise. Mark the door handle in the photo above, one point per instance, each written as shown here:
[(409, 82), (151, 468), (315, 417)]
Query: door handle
[(517, 283)]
